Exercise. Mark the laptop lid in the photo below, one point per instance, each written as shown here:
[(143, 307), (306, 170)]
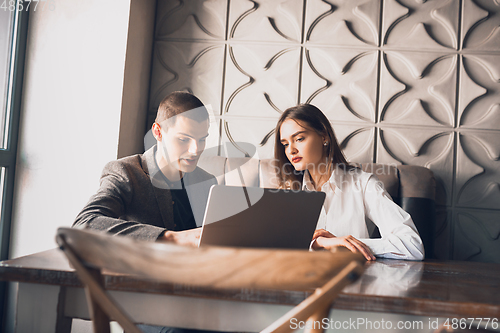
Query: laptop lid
[(260, 218)]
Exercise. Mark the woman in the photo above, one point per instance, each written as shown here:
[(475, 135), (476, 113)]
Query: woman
[(309, 158)]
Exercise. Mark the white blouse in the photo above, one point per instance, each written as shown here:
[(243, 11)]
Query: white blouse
[(352, 197)]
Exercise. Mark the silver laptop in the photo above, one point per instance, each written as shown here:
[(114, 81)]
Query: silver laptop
[(260, 218)]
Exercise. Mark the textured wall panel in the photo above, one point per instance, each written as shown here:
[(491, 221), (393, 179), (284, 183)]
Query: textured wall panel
[(203, 19), (480, 92), (481, 25), (402, 81), (250, 132), (431, 25), (341, 22), (416, 146), (418, 88), (261, 80), (478, 170), (477, 235), (341, 83), (356, 142), (194, 67), (443, 240), (277, 20)]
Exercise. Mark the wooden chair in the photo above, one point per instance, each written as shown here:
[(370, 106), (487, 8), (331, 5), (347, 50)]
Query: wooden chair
[(214, 267)]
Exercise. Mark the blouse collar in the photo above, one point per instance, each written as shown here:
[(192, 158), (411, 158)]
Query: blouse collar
[(336, 181), (307, 184)]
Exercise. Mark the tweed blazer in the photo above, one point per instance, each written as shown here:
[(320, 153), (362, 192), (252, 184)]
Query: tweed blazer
[(134, 199)]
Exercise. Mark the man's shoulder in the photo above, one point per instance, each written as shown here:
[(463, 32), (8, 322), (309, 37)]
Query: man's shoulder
[(124, 162), (128, 164)]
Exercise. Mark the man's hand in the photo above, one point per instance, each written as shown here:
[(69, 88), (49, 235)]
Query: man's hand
[(187, 237), (348, 242)]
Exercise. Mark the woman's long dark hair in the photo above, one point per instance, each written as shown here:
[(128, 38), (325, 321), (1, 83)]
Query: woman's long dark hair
[(309, 116)]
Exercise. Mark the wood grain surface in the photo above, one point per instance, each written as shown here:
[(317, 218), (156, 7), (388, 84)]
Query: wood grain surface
[(429, 288), (214, 267)]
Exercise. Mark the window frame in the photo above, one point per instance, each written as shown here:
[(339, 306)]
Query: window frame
[(8, 154)]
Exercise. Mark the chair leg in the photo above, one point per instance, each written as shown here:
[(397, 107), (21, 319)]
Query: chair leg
[(319, 300), (317, 320), (98, 296), (100, 320)]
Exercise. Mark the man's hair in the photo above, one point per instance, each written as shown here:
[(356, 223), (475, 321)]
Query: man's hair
[(177, 103)]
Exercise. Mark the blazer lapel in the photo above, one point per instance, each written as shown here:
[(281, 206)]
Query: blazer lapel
[(160, 188)]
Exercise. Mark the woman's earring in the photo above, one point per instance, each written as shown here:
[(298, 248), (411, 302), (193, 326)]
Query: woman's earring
[(325, 143)]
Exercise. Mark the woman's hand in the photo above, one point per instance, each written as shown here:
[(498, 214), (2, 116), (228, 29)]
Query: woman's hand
[(351, 243), (322, 233)]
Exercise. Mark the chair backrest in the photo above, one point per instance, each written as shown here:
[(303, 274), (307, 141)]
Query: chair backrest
[(213, 267), (412, 187)]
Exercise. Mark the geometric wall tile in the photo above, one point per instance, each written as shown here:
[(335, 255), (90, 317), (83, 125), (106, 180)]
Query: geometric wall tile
[(356, 142), (428, 25), (248, 131), (481, 27), (342, 83), (194, 19), (420, 88), (340, 22), (478, 170), (442, 241), (402, 81), (477, 236), (194, 67), (261, 80), (415, 146), (277, 21), (480, 92)]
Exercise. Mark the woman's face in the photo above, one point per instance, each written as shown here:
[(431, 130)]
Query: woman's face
[(304, 147)]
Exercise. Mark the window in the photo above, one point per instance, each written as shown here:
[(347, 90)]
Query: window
[(6, 37), (13, 32)]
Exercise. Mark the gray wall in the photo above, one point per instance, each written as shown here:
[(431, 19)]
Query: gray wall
[(406, 82), (84, 104)]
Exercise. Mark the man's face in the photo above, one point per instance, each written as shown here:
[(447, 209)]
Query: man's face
[(183, 143)]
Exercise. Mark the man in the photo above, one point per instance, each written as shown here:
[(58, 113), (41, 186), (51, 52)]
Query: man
[(159, 195)]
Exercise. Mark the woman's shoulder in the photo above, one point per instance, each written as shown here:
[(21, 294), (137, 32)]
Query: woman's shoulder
[(352, 176), (352, 171)]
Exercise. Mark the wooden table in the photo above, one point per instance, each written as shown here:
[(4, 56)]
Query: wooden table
[(50, 294)]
